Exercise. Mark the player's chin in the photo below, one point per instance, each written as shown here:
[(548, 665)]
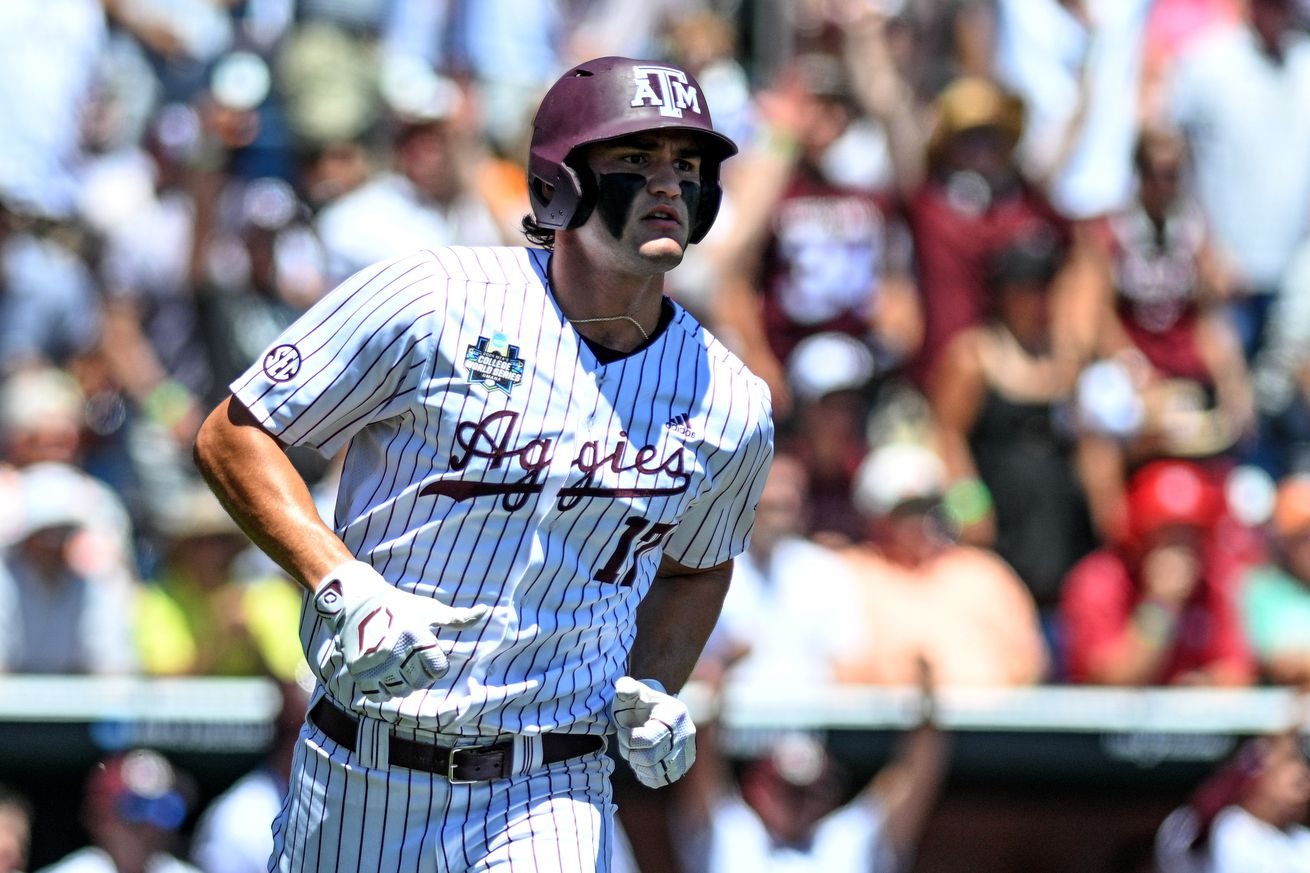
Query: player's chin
[(664, 252)]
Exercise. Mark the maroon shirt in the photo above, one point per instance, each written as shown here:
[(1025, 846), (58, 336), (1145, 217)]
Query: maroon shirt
[(953, 243), (827, 252), (1156, 282), (1100, 595)]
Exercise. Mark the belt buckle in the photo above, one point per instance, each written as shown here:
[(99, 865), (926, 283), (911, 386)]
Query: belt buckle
[(452, 763)]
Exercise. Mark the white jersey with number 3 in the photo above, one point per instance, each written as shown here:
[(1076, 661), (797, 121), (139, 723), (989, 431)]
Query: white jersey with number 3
[(494, 460)]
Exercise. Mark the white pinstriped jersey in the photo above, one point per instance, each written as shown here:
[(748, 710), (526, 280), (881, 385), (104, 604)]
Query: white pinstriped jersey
[(493, 460)]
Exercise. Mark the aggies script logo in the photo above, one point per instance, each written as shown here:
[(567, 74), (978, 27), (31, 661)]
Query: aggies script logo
[(494, 438), (665, 88)]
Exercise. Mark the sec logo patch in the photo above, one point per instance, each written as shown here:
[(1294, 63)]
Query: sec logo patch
[(282, 364)]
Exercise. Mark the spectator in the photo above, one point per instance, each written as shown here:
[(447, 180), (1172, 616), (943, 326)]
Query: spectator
[(50, 311), (1002, 397), (1241, 94), (151, 337), (265, 267), (133, 808), (830, 380), (66, 594), (1275, 597), (1248, 817), (1155, 285), (782, 592), (202, 615), (41, 417), (42, 424), (811, 252), (972, 203), (786, 810), (15, 830), (152, 350), (1159, 607), (923, 596), (427, 199), (234, 833)]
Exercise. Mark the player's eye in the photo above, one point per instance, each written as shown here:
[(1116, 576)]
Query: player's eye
[(687, 165)]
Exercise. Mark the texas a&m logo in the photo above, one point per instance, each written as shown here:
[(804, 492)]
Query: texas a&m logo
[(665, 88)]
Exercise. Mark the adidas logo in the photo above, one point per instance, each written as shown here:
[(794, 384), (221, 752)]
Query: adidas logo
[(681, 425)]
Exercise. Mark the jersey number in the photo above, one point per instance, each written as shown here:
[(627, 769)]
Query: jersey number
[(644, 538)]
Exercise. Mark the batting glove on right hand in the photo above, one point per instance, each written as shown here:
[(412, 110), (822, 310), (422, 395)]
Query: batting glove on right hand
[(386, 636), (656, 734)]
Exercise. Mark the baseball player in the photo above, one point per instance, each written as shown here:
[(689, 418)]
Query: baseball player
[(549, 468)]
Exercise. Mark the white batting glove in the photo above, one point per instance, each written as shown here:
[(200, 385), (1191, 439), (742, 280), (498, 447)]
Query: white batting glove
[(387, 636), (656, 735)]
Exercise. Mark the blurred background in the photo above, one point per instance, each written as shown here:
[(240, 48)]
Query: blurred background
[(1029, 281)]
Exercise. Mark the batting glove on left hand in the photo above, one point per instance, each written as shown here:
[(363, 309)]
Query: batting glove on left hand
[(656, 734), (386, 636)]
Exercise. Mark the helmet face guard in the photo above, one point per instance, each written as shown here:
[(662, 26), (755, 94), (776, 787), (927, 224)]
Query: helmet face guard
[(606, 99)]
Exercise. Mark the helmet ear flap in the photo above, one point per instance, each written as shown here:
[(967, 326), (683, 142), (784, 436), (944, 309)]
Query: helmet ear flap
[(567, 203), (554, 201)]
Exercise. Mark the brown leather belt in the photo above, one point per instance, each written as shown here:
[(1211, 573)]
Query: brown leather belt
[(457, 764)]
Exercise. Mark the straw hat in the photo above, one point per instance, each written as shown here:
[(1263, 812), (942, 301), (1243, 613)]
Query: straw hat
[(970, 102)]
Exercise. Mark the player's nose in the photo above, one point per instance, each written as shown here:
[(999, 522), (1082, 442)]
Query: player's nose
[(663, 179)]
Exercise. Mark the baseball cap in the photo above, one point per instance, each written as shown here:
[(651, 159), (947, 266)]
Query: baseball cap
[(799, 759), (896, 474), (54, 495), (416, 94), (140, 787), (1292, 506), (828, 362), (1169, 493), (32, 398)]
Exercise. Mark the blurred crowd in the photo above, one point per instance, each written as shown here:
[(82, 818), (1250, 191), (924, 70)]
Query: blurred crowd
[(1029, 281)]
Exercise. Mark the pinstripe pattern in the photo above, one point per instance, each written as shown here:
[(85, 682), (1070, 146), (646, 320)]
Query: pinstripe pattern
[(556, 819), (551, 499), (382, 366)]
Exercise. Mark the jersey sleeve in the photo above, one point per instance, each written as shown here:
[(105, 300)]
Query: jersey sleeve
[(357, 356), (718, 523)]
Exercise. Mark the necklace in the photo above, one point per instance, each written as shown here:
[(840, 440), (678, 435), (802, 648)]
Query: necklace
[(635, 323), (625, 317)]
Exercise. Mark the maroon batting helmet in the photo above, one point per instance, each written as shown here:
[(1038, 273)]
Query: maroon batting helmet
[(608, 98)]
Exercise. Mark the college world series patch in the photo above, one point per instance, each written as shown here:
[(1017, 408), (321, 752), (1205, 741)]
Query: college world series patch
[(494, 363)]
